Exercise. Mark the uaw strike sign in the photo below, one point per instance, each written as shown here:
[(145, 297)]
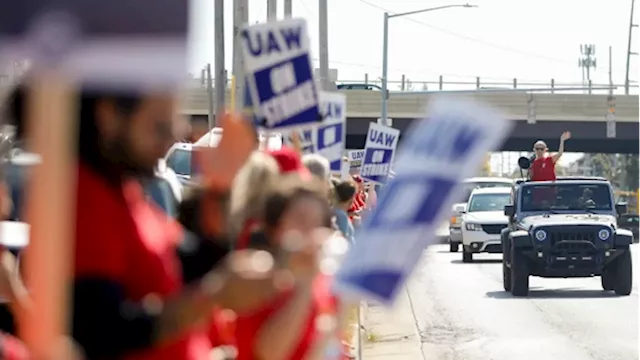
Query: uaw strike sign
[(355, 158), (431, 164), (115, 43), (280, 74), (378, 153), (331, 134)]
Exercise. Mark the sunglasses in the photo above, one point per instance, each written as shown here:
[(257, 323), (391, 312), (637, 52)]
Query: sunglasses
[(538, 148)]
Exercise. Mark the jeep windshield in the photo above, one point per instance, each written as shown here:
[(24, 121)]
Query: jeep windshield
[(566, 196)]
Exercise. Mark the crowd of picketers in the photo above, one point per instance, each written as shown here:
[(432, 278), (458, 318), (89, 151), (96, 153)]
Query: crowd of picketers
[(240, 269)]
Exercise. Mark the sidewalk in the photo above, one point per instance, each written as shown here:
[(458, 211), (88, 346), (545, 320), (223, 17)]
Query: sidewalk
[(391, 334)]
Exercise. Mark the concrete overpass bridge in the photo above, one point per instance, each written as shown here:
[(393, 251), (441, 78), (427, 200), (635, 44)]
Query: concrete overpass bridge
[(583, 115)]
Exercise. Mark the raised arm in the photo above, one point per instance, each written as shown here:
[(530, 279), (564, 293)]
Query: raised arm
[(564, 137)]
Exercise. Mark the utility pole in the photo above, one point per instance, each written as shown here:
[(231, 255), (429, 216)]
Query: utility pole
[(629, 52), (272, 10), (587, 61), (220, 74), (324, 43), (240, 18), (288, 8), (611, 102), (210, 97)]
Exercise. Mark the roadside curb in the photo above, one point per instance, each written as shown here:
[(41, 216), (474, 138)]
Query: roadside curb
[(393, 332)]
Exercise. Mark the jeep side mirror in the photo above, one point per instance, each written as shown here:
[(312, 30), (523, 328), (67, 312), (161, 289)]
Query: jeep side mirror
[(509, 210), (621, 208)]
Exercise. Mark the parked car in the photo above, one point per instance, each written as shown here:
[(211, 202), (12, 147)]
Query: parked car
[(565, 228), (483, 220), (164, 189), (179, 156), (455, 230), (360, 86)]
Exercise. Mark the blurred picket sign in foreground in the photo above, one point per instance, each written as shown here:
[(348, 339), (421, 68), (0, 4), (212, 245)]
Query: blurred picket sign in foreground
[(438, 153), (116, 45)]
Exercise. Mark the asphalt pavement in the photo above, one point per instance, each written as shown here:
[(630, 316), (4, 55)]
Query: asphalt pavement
[(463, 313)]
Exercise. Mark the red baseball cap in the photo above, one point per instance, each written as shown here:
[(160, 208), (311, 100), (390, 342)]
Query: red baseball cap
[(289, 161)]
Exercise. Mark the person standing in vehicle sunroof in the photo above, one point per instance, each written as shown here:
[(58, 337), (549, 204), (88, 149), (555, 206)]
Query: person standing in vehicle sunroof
[(543, 167)]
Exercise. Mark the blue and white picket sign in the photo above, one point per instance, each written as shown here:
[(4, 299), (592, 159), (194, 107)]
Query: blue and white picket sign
[(307, 140), (331, 134), (279, 72), (355, 158), (379, 151), (439, 152)]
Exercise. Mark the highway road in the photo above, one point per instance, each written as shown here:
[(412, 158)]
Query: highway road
[(462, 313)]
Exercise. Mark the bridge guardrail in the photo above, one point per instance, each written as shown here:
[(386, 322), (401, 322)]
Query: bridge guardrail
[(442, 83)]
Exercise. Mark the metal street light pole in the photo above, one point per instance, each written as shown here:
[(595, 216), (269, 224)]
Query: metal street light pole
[(385, 49)]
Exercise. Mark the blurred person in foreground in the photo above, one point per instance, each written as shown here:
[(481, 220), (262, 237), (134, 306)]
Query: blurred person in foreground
[(142, 286), (296, 213), (319, 167), (344, 192)]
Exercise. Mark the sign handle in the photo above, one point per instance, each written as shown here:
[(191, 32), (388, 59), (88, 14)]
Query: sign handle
[(49, 209)]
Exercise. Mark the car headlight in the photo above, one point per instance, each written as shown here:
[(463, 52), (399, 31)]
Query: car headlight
[(541, 235), (604, 234), (454, 220), (473, 227)]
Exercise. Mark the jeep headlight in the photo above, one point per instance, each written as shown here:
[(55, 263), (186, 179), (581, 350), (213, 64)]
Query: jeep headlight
[(540, 235), (604, 234), (473, 227)]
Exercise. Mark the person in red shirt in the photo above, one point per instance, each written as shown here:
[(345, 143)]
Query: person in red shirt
[(142, 286), (286, 328), (543, 169), (543, 166)]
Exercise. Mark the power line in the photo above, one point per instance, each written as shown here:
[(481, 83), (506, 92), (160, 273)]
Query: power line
[(472, 39)]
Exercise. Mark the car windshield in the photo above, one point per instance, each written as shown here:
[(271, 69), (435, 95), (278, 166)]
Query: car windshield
[(159, 191), (488, 202), (568, 196), (180, 162), (469, 187)]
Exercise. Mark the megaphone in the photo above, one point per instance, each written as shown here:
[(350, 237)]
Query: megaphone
[(524, 163)]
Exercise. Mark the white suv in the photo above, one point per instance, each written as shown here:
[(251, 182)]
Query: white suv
[(482, 221)]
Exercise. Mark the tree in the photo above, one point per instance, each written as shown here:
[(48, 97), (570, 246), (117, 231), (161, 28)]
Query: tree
[(627, 171)]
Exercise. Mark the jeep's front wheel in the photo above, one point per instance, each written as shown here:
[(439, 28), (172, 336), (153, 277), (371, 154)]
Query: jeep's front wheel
[(519, 273), (623, 281), (607, 279)]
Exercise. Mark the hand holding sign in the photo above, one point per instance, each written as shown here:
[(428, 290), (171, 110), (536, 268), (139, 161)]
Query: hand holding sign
[(220, 164)]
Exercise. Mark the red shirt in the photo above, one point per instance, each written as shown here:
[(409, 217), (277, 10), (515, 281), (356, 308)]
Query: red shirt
[(121, 237), (543, 169), (248, 326)]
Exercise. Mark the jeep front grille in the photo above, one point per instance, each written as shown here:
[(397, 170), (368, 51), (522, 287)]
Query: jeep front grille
[(557, 236)]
